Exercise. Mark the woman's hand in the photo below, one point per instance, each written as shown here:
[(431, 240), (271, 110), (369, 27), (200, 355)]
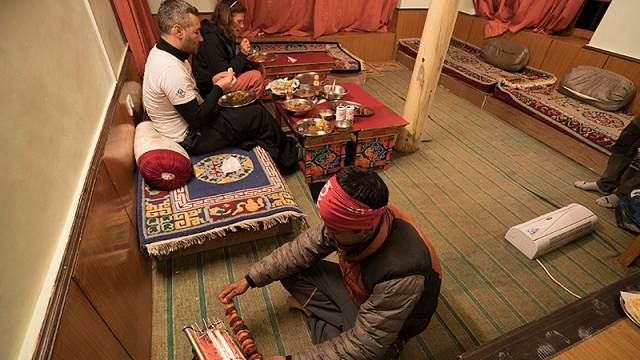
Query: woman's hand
[(230, 291), (245, 46)]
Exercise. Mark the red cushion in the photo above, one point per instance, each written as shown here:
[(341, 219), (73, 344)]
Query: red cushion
[(164, 169)]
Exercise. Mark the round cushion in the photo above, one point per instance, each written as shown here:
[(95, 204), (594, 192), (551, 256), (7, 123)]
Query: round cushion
[(504, 54), (601, 88), (163, 163)]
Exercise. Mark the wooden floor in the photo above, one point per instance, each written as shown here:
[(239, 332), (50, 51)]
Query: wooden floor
[(472, 178)]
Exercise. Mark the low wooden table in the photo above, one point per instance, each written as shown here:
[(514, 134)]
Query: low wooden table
[(375, 135), (369, 143)]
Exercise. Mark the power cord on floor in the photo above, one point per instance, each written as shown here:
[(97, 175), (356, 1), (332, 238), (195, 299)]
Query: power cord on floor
[(556, 281)]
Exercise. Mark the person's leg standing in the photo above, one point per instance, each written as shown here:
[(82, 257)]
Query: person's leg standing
[(624, 152)]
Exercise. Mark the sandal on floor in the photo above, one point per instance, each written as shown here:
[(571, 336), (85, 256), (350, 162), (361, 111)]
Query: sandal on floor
[(588, 186), (609, 201)]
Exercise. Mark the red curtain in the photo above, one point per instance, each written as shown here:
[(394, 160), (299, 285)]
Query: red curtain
[(316, 17), (139, 28), (547, 16)]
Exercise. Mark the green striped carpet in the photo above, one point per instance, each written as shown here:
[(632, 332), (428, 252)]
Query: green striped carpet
[(474, 178)]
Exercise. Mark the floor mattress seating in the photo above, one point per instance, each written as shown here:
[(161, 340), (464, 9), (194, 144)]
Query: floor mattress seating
[(598, 128), (464, 63), (232, 192)]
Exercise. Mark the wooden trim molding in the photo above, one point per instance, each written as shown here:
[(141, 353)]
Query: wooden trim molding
[(49, 329), (611, 53)]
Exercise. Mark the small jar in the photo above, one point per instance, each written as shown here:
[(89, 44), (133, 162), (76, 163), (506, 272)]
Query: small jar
[(349, 114), (289, 90), (316, 85)]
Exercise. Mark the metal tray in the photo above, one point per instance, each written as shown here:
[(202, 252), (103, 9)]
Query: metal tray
[(314, 127), (360, 110), (238, 99), (262, 57)]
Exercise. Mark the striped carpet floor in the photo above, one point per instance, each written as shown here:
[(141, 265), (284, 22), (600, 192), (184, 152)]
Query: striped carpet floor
[(473, 178)]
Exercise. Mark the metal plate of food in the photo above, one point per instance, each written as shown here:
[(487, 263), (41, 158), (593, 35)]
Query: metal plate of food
[(307, 78), (314, 127), (298, 107), (359, 109), (237, 99), (262, 57)]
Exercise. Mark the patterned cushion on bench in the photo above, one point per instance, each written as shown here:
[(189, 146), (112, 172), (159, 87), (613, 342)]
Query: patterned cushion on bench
[(598, 128), (463, 62)]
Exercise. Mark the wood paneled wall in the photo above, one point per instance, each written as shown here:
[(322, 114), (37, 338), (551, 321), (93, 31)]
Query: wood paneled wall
[(107, 311), (367, 46), (407, 23), (553, 53)]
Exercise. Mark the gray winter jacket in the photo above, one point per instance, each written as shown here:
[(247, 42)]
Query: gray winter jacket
[(379, 319)]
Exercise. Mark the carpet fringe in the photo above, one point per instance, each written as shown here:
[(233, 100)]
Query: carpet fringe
[(166, 247)]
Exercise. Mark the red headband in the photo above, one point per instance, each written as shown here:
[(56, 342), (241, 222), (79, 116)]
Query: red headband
[(340, 211)]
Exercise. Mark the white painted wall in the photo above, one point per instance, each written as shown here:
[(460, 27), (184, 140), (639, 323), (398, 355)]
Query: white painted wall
[(59, 64), (619, 30)]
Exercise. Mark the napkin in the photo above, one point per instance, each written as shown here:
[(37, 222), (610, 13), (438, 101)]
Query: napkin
[(230, 165)]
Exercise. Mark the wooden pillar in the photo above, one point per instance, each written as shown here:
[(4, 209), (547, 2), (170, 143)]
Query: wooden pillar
[(434, 43)]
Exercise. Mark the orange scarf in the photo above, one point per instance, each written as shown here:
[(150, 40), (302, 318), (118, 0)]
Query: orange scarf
[(351, 271)]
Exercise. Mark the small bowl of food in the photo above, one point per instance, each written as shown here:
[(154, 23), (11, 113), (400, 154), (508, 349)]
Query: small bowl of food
[(305, 92), (325, 114), (307, 78), (298, 107), (334, 92)]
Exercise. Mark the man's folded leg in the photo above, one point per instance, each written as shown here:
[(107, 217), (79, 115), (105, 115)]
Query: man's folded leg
[(321, 290)]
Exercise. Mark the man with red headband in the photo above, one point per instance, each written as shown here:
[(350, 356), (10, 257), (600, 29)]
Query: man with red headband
[(384, 289)]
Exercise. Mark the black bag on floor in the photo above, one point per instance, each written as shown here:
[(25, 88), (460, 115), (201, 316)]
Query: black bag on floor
[(628, 212)]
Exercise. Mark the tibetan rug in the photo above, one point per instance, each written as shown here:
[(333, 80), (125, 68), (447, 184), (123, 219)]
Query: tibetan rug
[(598, 128), (334, 57), (463, 62), (231, 190)]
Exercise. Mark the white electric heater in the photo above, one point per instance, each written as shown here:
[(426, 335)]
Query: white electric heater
[(553, 230)]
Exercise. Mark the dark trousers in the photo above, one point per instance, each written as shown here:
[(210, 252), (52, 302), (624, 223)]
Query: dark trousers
[(245, 127), (322, 288), (624, 151)]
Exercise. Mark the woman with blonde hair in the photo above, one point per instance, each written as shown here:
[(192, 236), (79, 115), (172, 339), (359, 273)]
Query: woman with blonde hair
[(218, 53)]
